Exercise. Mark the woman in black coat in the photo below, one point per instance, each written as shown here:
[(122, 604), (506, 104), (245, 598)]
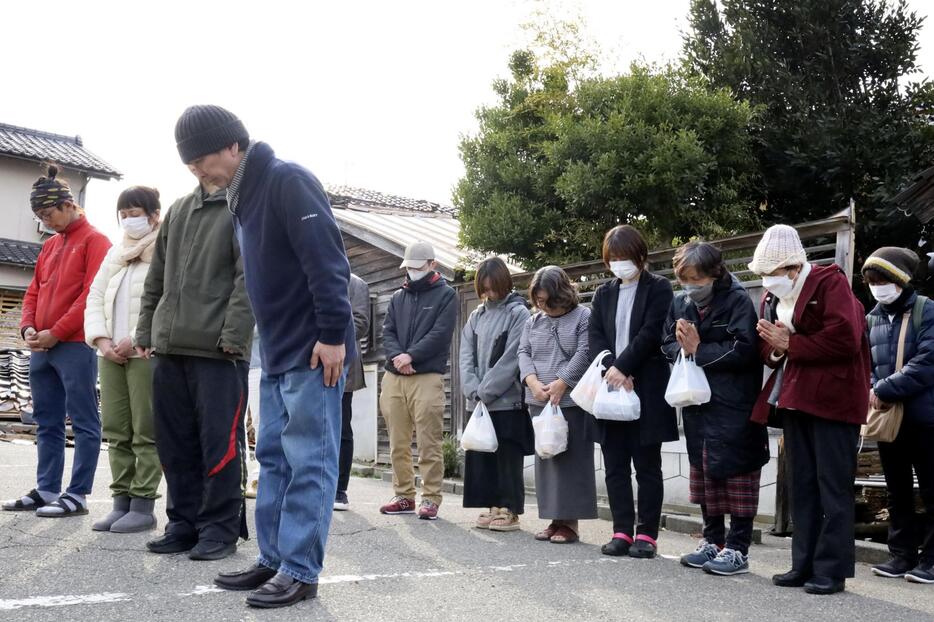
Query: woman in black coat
[(714, 321), (626, 319)]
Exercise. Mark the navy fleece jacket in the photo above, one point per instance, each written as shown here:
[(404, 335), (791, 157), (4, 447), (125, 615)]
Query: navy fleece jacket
[(294, 262)]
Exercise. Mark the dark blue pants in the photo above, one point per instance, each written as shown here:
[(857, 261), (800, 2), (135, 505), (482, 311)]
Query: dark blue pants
[(63, 382)]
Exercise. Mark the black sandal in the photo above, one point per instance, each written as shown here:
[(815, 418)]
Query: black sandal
[(63, 502), (19, 506)]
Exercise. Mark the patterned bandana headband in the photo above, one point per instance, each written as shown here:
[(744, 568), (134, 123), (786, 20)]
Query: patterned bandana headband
[(48, 191)]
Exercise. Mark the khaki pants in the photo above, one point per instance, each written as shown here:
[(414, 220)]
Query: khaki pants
[(126, 413), (417, 402)]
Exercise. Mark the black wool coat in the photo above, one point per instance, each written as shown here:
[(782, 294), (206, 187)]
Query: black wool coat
[(643, 358)]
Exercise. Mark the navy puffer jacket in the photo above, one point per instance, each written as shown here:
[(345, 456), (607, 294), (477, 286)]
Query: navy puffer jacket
[(914, 384)]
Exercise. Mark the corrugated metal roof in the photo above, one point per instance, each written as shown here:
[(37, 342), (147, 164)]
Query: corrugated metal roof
[(400, 230), (69, 151)]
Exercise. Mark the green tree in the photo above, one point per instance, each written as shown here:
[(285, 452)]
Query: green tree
[(563, 156), (837, 114)]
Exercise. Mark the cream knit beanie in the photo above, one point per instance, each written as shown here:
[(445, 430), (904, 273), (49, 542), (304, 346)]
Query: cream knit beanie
[(780, 247)]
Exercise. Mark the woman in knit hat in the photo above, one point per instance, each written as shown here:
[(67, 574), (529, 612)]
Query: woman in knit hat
[(888, 272), (126, 378), (813, 334)]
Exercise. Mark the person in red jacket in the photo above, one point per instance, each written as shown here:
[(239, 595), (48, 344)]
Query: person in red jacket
[(62, 368), (813, 334)]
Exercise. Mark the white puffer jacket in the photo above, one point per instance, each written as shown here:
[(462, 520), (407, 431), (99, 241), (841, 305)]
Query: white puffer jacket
[(98, 314)]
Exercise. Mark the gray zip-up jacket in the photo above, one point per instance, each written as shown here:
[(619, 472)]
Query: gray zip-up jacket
[(492, 332)]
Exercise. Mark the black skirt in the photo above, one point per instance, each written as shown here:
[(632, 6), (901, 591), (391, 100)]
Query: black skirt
[(496, 479)]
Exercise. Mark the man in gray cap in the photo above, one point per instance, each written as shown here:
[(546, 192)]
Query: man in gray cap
[(417, 337)]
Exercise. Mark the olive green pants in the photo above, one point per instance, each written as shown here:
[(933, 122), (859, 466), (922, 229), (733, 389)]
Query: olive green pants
[(126, 411)]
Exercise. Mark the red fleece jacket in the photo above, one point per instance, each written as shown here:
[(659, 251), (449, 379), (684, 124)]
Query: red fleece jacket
[(827, 374), (58, 292)]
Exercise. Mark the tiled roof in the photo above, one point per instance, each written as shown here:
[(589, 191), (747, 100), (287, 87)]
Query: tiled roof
[(69, 151), (343, 196), (19, 253)]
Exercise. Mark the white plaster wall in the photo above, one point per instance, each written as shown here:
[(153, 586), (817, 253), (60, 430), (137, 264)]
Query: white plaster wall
[(364, 421), (16, 179)]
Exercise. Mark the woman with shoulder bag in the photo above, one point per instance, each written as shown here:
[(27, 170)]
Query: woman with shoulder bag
[(489, 368), (714, 321), (626, 319), (888, 272), (553, 355)]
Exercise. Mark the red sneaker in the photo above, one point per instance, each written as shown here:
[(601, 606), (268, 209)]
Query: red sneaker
[(399, 505), (428, 510)]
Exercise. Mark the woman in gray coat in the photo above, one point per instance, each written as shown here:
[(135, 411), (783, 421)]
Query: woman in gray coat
[(553, 355), (489, 367)]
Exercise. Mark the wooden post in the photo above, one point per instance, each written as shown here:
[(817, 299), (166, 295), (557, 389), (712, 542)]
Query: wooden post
[(846, 243)]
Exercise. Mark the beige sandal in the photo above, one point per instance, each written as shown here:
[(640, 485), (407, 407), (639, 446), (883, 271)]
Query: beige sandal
[(485, 518), (505, 521)]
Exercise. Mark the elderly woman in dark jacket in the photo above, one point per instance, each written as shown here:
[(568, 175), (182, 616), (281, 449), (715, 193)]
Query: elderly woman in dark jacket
[(888, 272), (714, 321), (813, 333), (626, 319)]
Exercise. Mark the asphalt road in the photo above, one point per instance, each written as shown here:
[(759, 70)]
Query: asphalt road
[(401, 568)]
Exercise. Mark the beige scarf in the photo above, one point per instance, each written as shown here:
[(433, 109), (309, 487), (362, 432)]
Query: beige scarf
[(138, 250)]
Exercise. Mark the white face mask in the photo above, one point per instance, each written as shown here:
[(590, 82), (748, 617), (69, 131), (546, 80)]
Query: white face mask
[(416, 275), (625, 269), (780, 286), (886, 294), (136, 226)]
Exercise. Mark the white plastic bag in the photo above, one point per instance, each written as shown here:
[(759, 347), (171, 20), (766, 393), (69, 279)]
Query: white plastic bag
[(587, 388), (616, 404), (551, 432), (688, 384), (479, 434)]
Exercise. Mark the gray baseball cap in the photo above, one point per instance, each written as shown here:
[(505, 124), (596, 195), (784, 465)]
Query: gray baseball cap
[(417, 254)]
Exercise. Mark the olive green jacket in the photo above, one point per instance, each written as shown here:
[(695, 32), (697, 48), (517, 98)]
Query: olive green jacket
[(194, 301)]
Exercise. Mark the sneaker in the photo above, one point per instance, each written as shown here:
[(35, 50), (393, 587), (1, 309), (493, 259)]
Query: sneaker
[(505, 521), (895, 568), (924, 573), (399, 505), (341, 502), (428, 510), (728, 562), (705, 552)]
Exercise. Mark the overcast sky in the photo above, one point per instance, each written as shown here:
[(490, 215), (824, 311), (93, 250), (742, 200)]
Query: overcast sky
[(369, 94)]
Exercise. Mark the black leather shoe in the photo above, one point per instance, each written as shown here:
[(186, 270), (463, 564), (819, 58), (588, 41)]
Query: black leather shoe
[(617, 547), (281, 591), (792, 578), (210, 550), (171, 543), (249, 579), (824, 585)]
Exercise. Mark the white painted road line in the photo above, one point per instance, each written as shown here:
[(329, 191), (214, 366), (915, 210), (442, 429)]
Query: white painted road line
[(202, 590), (63, 601)]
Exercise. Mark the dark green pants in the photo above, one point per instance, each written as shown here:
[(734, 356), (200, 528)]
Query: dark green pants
[(126, 411)]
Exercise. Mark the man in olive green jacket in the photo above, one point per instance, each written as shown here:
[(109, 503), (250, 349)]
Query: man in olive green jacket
[(195, 320)]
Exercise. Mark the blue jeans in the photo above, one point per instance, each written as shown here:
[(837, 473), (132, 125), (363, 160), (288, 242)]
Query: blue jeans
[(63, 381), (297, 449)]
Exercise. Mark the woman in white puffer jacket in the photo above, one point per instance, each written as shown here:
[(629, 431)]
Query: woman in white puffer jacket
[(126, 379)]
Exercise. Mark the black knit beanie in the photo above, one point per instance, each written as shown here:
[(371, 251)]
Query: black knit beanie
[(897, 265), (205, 129)]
